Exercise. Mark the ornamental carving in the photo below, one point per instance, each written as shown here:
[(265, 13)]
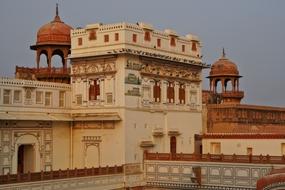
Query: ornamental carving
[(170, 71), (96, 68)]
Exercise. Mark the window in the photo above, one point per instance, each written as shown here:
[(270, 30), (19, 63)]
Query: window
[(116, 36), (134, 38), (48, 98), (79, 41), (147, 36), (106, 38), (18, 96), (215, 148), (283, 148), (194, 47), (39, 97), (61, 98), (156, 92), (182, 94), (249, 151), (172, 41), (94, 89), (170, 92), (193, 98), (6, 96), (109, 98), (158, 42), (28, 95), (183, 48), (78, 99), (92, 35)]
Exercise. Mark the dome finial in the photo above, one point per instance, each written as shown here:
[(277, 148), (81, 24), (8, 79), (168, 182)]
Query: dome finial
[(224, 53), (56, 9)]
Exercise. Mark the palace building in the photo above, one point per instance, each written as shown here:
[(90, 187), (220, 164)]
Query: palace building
[(129, 88)]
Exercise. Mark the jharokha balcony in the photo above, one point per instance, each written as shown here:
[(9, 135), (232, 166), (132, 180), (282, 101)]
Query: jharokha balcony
[(50, 74)]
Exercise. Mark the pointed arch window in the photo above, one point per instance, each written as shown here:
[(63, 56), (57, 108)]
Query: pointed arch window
[(147, 36), (92, 35), (181, 94), (172, 41), (194, 46), (94, 89)]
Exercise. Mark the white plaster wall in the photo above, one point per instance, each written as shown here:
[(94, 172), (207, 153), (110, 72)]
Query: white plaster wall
[(239, 146)]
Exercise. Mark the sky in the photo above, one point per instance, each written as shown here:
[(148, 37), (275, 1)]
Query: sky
[(252, 33)]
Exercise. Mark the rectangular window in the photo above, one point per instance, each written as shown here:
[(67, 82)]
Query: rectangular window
[(156, 92), (182, 94), (172, 41), (183, 48), (106, 38), (17, 96), (170, 92), (6, 96), (283, 149), (94, 89), (61, 99), (78, 99), (249, 151), (147, 36), (134, 38), (48, 98), (158, 43), (194, 47), (116, 36), (215, 148), (92, 35), (39, 97), (79, 41), (109, 98)]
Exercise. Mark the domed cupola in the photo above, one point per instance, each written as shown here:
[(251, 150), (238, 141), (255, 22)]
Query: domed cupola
[(225, 71)]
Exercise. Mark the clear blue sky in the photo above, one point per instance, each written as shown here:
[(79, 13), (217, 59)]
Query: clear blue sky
[(252, 32)]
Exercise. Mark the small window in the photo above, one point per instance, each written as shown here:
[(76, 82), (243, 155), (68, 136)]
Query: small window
[(109, 98), (134, 38), (172, 41), (183, 48), (28, 95), (79, 41), (92, 35), (215, 148), (194, 46), (283, 149), (61, 98), (48, 98), (39, 97), (7, 96), (17, 96), (147, 36), (78, 99), (249, 151), (106, 38), (116, 36), (158, 42)]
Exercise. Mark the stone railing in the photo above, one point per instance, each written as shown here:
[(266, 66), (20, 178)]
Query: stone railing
[(59, 174), (255, 159)]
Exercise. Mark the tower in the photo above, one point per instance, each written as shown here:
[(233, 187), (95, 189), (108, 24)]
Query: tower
[(53, 38), (224, 71)]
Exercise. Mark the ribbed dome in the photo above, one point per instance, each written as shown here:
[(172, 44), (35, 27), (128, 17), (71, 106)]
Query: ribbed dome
[(224, 67), (55, 32)]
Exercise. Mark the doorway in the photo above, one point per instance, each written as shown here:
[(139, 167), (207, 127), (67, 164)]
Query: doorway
[(173, 145), (26, 158)]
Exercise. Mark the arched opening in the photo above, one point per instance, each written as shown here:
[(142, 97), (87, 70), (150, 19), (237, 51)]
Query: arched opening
[(229, 86), (57, 59), (218, 86), (92, 156), (43, 62), (26, 158), (173, 145)]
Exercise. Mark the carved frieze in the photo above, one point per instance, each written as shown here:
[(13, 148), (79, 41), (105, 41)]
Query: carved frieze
[(93, 68), (170, 71)]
